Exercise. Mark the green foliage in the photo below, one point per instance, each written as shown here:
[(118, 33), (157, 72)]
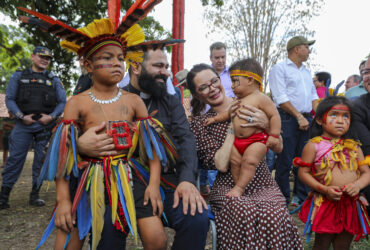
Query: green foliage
[(14, 53), (76, 13)]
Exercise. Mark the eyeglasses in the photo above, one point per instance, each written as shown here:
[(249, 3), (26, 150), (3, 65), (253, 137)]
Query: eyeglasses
[(204, 88), (365, 71)]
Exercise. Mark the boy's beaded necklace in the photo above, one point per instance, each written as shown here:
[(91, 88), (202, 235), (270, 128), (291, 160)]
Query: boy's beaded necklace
[(114, 99)]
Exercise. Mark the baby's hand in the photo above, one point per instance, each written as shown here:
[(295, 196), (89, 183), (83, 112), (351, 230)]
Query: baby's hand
[(333, 193), (209, 121), (351, 189), (153, 194), (272, 142), (63, 217)]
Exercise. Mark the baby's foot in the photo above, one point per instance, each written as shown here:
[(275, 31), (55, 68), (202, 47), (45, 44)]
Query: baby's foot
[(235, 192)]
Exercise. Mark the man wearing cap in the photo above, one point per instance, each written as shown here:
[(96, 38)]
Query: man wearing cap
[(36, 98), (295, 96)]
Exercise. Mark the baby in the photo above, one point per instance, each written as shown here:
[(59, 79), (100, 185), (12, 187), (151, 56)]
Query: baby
[(251, 143)]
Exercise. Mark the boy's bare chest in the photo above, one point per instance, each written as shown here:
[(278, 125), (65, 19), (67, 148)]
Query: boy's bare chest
[(95, 113)]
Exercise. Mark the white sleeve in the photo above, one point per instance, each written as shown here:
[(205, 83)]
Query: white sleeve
[(278, 85), (170, 87)]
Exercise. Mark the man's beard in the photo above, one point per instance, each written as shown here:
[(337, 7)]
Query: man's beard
[(149, 85)]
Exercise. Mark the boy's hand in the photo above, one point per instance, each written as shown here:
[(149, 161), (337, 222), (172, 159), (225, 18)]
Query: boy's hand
[(209, 121), (333, 193), (272, 142), (63, 216), (153, 194), (351, 189)]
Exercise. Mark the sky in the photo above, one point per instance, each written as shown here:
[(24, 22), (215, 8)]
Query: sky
[(342, 36)]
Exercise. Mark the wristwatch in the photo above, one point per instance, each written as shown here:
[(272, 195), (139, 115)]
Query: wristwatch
[(19, 115)]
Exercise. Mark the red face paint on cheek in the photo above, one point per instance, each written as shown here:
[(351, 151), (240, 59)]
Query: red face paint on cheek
[(103, 66)]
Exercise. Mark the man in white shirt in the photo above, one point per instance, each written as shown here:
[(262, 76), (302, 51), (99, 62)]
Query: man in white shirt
[(295, 96)]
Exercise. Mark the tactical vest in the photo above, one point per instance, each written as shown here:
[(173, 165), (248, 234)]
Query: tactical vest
[(36, 94)]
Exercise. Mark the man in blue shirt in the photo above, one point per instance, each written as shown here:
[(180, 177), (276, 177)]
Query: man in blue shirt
[(356, 91), (36, 98)]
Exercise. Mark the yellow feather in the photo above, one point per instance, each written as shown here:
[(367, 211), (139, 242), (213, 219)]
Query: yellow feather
[(70, 160), (97, 205), (99, 27), (70, 46), (127, 192), (114, 195), (316, 139), (134, 35), (134, 142)]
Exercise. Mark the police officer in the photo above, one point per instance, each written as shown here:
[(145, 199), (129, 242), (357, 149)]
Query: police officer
[(36, 98)]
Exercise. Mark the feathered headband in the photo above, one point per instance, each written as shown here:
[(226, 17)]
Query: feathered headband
[(88, 40)]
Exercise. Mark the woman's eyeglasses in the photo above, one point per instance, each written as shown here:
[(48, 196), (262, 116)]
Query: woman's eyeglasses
[(204, 88)]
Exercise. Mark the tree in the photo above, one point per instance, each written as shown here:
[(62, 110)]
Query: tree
[(14, 53), (260, 28), (76, 13)]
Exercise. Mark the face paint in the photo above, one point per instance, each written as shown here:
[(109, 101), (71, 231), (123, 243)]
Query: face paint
[(335, 107), (336, 121), (103, 66)]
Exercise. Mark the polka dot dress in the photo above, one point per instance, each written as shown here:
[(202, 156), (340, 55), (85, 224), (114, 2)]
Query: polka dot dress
[(257, 220)]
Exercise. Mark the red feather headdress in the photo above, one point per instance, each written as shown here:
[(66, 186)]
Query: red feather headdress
[(86, 41)]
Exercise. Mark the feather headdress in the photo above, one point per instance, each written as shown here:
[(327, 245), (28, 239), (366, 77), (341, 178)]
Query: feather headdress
[(87, 41)]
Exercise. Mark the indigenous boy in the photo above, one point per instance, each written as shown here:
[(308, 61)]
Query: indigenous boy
[(102, 103), (250, 143), (101, 189)]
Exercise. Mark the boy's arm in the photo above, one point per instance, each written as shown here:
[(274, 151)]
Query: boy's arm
[(63, 217), (152, 191)]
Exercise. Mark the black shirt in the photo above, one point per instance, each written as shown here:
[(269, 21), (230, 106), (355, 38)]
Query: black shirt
[(171, 114)]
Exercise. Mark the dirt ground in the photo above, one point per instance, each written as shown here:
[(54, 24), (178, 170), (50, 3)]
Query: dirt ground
[(22, 226)]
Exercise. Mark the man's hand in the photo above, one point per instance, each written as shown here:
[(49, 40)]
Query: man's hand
[(190, 196), (45, 119), (27, 119), (95, 145), (303, 123)]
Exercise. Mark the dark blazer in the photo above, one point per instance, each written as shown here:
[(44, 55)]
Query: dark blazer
[(361, 121)]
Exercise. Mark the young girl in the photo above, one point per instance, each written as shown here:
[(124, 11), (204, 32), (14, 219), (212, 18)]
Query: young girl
[(333, 166)]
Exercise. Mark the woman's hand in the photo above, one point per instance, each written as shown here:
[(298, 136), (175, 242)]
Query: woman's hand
[(95, 145), (255, 117), (153, 194), (63, 216)]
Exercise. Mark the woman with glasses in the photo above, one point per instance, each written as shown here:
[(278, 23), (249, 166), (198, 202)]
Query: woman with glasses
[(259, 218)]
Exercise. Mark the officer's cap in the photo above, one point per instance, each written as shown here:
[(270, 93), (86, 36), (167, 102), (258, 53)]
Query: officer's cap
[(42, 51)]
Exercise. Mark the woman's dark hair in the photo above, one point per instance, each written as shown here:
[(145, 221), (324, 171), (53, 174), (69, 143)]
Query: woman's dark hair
[(196, 105), (326, 104)]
